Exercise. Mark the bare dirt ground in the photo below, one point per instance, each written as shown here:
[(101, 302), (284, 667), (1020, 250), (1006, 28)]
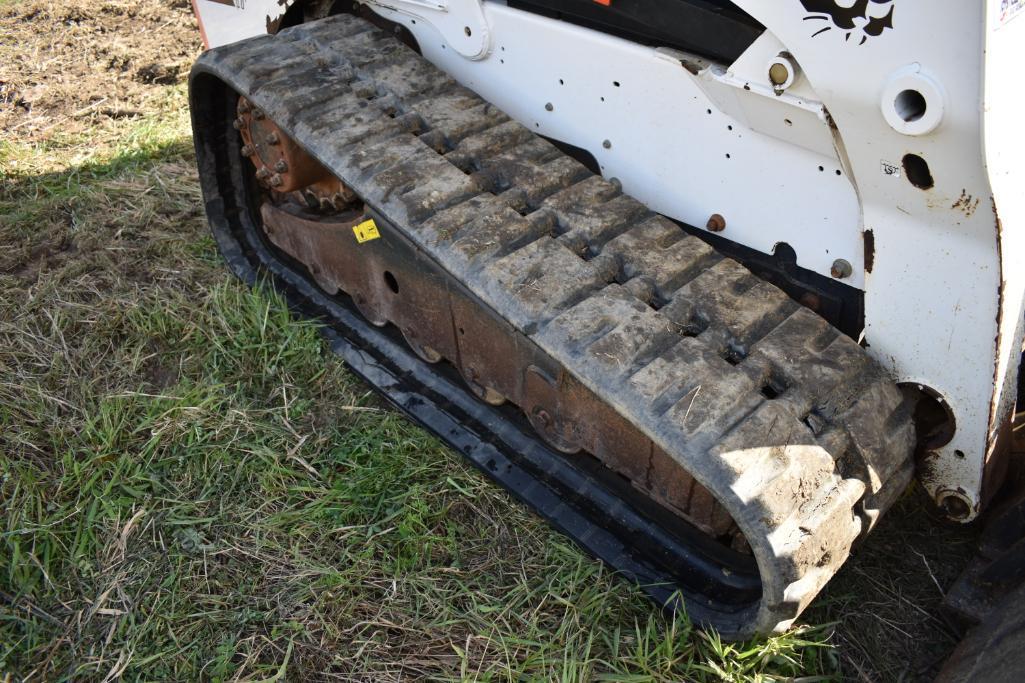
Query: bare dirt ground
[(72, 62), (193, 488)]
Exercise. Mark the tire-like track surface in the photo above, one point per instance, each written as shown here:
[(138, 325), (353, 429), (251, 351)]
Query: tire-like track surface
[(796, 431)]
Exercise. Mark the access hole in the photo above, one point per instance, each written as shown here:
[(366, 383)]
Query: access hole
[(392, 283), (917, 171), (910, 105)]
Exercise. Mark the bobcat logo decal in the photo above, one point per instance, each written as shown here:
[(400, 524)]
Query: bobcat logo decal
[(854, 17)]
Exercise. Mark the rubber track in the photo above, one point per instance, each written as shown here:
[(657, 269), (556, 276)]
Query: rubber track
[(795, 430)]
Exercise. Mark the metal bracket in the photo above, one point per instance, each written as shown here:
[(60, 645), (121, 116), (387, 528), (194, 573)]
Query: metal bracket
[(461, 23)]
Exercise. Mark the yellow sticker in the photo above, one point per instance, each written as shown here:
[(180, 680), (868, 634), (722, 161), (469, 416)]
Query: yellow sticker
[(366, 231)]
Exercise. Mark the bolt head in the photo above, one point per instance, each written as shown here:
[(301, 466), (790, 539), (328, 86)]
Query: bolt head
[(549, 106), (716, 223), (258, 114), (544, 418), (841, 269), (281, 166), (243, 106), (778, 74), (262, 174), (248, 150), (607, 144), (237, 124), (276, 180), (273, 138)]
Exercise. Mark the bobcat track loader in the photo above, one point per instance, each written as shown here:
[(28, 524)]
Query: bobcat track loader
[(705, 283)]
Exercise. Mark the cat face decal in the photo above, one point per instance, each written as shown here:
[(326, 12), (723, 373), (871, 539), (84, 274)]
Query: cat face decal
[(858, 18)]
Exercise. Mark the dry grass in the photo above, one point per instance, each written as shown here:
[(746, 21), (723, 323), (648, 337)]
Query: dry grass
[(194, 488)]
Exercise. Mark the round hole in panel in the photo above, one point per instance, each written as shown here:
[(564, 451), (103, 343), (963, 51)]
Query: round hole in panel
[(913, 102)]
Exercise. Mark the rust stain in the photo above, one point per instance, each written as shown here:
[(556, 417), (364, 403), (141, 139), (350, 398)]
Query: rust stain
[(967, 204), (693, 67), (870, 250), (992, 462)]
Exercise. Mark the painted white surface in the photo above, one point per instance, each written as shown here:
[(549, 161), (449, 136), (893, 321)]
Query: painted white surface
[(460, 23), (229, 23)]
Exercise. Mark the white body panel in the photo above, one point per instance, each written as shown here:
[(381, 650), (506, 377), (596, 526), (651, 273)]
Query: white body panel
[(228, 21), (943, 291), (646, 119)]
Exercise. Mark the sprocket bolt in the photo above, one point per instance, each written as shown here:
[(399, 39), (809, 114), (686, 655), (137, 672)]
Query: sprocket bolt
[(544, 418)]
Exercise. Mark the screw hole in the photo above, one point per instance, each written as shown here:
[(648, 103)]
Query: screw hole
[(917, 171), (727, 155), (910, 105), (562, 82), (392, 283), (729, 127), (821, 169), (462, 331), (788, 122), (615, 83), (838, 172), (959, 454), (709, 111), (467, 31)]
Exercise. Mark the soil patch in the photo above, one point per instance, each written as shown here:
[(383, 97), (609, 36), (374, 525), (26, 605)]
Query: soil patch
[(98, 58)]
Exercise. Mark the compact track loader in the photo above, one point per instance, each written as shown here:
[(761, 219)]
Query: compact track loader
[(705, 283)]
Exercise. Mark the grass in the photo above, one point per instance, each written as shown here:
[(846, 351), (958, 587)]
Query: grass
[(193, 487)]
